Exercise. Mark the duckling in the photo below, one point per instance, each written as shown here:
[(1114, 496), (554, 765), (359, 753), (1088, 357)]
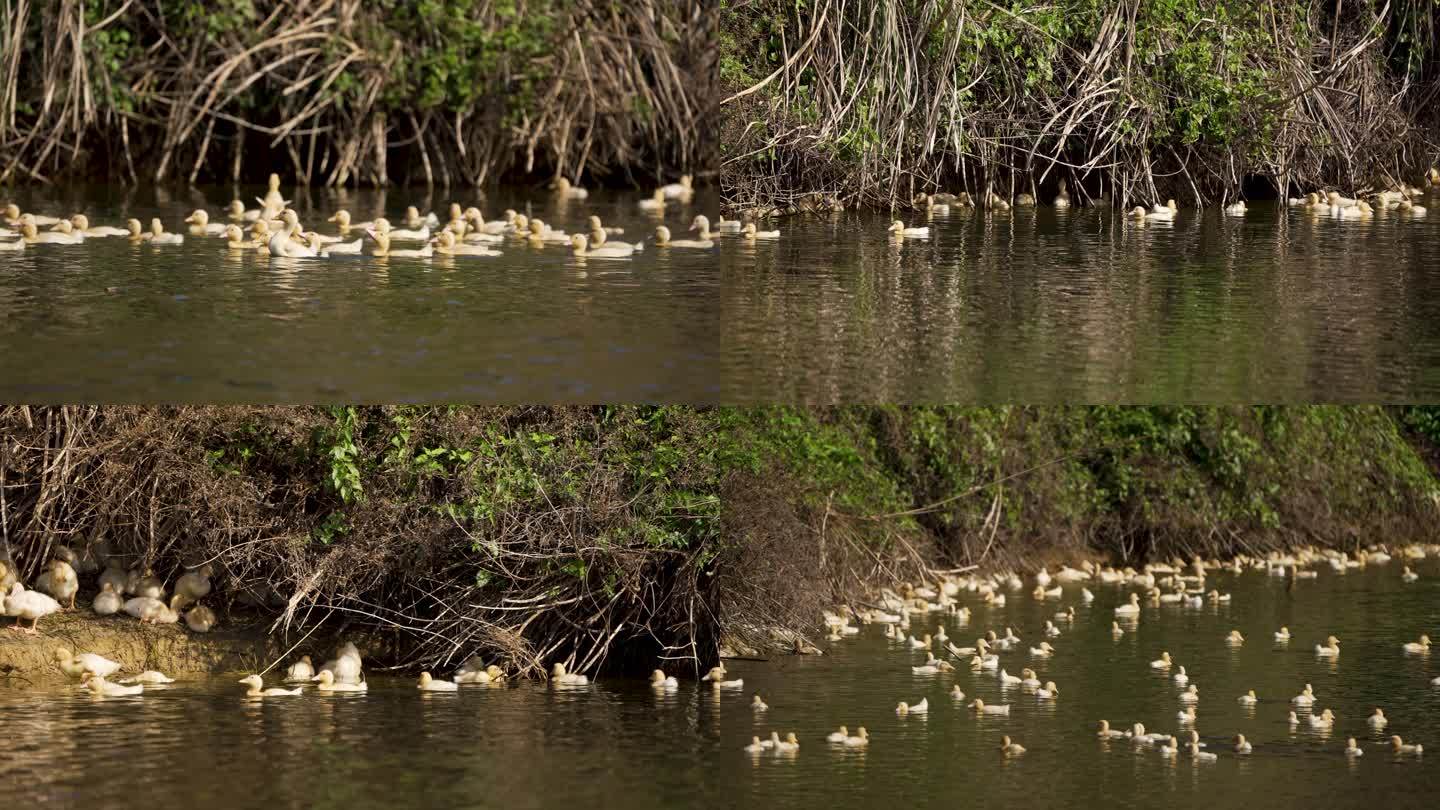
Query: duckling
[(1248, 699), (755, 746), (1116, 631), (158, 236), (1352, 749), (299, 671), (758, 703), (236, 211), (654, 204), (413, 221), (77, 665), (899, 231), (257, 690), (1010, 749), (1399, 746), (1170, 748), (599, 239), (1130, 609), (1407, 207), (1407, 575), (1325, 719), (446, 246), (1235, 639), (1186, 716), (200, 225), (81, 224), (1235, 209), (788, 745), (662, 239), (108, 601), (955, 693), (580, 246), (1421, 647), (917, 644), (981, 708), (1007, 679), (560, 676), (678, 191), (860, 740), (658, 680), (420, 234), (903, 708), (382, 247), (1202, 756), (838, 736), (1049, 691), (1305, 698), (1190, 695), (751, 234), (327, 682), (104, 688), (32, 605), (1378, 719), (31, 234), (1242, 746), (1331, 648), (62, 583), (1163, 662), (430, 684), (722, 225), (1107, 733), (199, 619), (566, 191), (149, 676), (1282, 635), (195, 585), (235, 239), (1043, 651)]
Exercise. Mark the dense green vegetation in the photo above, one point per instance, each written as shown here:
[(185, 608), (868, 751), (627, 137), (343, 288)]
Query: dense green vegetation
[(623, 528), (442, 91), (875, 100)]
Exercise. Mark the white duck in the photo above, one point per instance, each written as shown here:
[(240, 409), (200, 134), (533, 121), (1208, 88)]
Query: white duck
[(32, 605), (903, 708), (430, 684), (257, 688)]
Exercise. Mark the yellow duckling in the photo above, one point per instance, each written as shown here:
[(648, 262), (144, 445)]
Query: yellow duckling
[(108, 601), (327, 682), (1242, 746), (580, 246), (1378, 719), (1421, 647), (236, 211), (1186, 716), (955, 693), (1305, 698), (1249, 699), (601, 239), (1234, 639), (1407, 575), (1399, 746), (1352, 748), (1050, 691), (62, 583), (430, 684), (1010, 749), (659, 680), (788, 745), (838, 736), (200, 224), (1235, 209), (654, 204), (77, 665), (1325, 719), (235, 239), (1201, 756), (32, 235), (980, 707), (749, 233), (1182, 677), (195, 585), (382, 247), (257, 688), (898, 230), (758, 703), (558, 675), (1330, 649), (1132, 608), (1190, 695), (199, 619), (1062, 199), (446, 246), (158, 236), (662, 239), (32, 605), (566, 191), (682, 190), (755, 746), (82, 226), (860, 740), (1107, 733), (300, 671), (1282, 635), (149, 676), (903, 708), (273, 197), (104, 688), (343, 223), (1163, 662), (716, 676)]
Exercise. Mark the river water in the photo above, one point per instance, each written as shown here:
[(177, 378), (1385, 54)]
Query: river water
[(199, 743), (1036, 306)]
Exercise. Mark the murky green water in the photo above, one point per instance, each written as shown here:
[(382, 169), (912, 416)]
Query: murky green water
[(200, 743), (1032, 306)]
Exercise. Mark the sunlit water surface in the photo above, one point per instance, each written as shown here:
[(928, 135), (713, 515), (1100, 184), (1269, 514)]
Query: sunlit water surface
[(199, 743), (1034, 306)]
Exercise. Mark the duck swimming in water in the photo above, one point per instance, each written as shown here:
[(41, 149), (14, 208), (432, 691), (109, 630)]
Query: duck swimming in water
[(716, 676), (257, 688)]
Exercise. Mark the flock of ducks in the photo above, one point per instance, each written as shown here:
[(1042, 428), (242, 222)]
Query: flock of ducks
[(274, 229), (898, 612), (135, 592)]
